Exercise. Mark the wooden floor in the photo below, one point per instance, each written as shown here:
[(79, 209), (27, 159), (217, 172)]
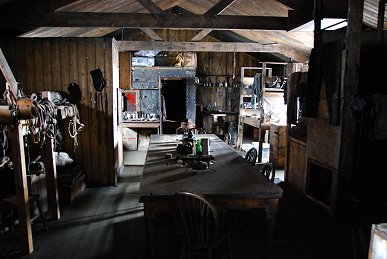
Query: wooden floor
[(107, 222)]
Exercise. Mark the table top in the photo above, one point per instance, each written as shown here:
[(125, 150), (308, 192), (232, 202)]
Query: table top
[(229, 177)]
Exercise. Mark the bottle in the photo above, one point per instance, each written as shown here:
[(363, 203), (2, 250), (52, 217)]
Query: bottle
[(190, 134), (199, 148)]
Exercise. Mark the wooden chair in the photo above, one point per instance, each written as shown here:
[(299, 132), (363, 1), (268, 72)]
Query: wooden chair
[(268, 171), (199, 226), (251, 155)]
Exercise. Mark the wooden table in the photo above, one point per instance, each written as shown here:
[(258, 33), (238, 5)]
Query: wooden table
[(231, 182)]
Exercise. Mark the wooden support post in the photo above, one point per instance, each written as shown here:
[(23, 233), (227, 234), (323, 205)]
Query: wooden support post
[(380, 25), (349, 158), (23, 209), (49, 161), (347, 154), (8, 75)]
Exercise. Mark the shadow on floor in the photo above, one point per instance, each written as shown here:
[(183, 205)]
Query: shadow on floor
[(107, 222)]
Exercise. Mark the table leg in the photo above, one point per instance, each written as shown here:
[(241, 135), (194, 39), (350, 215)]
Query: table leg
[(270, 221), (261, 139), (150, 238)]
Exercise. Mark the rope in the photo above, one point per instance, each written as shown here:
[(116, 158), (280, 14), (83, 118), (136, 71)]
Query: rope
[(75, 125)]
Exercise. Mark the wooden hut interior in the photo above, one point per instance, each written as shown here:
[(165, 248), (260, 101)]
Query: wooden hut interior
[(110, 108)]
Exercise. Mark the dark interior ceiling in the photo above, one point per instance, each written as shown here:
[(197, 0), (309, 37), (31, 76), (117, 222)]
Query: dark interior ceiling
[(262, 22)]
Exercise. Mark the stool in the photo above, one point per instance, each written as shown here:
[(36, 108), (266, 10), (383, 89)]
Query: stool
[(33, 198)]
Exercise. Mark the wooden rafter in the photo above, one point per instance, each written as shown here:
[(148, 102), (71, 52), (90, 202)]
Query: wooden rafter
[(201, 35), (150, 6), (138, 20), (214, 11), (219, 8), (7, 73), (380, 25), (211, 47), (151, 33)]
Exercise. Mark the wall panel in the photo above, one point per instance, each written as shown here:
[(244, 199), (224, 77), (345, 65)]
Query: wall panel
[(51, 64)]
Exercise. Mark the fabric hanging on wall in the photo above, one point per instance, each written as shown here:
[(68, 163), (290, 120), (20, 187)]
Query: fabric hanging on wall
[(327, 68), (296, 91), (379, 109), (313, 87), (256, 92), (331, 65)]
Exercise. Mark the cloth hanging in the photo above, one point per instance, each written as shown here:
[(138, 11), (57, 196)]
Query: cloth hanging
[(313, 87), (256, 96), (325, 64), (331, 65), (379, 108), (296, 91)]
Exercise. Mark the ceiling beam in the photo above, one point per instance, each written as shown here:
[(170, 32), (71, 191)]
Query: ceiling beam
[(150, 6), (230, 36), (210, 47), (330, 9), (212, 13), (139, 20), (298, 18), (298, 5), (151, 33), (218, 8), (201, 35), (24, 8), (335, 9)]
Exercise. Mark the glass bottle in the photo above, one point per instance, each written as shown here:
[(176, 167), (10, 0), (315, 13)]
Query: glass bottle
[(199, 148)]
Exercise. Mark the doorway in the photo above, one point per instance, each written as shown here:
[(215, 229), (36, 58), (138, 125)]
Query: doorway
[(173, 92)]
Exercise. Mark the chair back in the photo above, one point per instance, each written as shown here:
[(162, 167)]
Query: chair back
[(268, 171), (251, 155), (197, 220)]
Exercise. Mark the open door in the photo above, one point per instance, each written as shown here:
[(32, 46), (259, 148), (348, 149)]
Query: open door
[(173, 94)]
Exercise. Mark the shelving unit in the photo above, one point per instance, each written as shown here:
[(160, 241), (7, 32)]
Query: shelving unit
[(254, 116)]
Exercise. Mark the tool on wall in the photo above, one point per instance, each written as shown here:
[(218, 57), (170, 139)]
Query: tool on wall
[(101, 101), (100, 108)]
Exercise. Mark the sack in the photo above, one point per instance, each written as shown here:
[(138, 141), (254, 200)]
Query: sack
[(98, 81), (62, 159)]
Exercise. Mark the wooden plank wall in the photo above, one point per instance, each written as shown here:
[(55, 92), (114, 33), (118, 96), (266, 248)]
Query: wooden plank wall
[(51, 64)]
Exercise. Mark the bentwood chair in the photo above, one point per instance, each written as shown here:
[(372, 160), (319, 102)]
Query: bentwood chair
[(199, 225), (268, 171), (251, 155)]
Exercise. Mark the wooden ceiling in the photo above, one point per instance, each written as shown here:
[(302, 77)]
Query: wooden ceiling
[(265, 22)]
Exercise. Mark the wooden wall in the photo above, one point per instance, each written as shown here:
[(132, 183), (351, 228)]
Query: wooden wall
[(51, 64)]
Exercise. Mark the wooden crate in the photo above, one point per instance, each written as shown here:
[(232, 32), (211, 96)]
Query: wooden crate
[(277, 142)]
